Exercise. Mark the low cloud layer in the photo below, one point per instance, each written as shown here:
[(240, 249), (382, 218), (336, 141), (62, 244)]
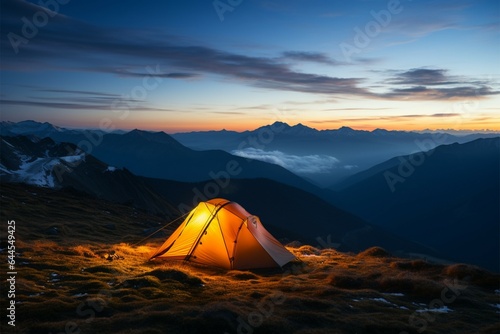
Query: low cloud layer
[(307, 164)]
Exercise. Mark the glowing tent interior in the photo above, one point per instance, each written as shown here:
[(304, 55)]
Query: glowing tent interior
[(221, 233)]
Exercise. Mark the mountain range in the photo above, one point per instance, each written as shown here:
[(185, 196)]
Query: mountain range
[(323, 157), (340, 153), (158, 155), (447, 198), (441, 201), (48, 164), (285, 209)]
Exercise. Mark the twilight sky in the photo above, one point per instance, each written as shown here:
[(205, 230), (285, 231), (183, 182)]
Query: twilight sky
[(239, 64)]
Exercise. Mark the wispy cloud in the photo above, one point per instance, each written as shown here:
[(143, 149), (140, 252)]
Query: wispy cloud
[(385, 118), (426, 93), (356, 109), (422, 76), (72, 45), (227, 112), (89, 103), (134, 72), (434, 84), (314, 57), (76, 92), (308, 164)]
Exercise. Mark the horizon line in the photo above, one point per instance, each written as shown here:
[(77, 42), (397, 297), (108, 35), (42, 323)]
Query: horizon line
[(354, 128)]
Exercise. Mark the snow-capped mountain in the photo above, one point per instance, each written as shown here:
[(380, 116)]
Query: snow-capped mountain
[(29, 127), (48, 164), (38, 168)]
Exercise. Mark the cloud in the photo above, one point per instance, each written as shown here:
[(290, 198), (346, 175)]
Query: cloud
[(434, 84), (422, 76), (314, 57), (77, 92), (385, 118), (308, 164), (90, 103), (141, 74), (227, 112), (355, 109), (445, 93), (349, 167), (68, 44)]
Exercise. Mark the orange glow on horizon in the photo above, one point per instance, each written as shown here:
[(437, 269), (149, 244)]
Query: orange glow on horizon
[(407, 125), (480, 124)]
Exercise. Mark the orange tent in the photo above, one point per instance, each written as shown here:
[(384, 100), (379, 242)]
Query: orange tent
[(221, 233)]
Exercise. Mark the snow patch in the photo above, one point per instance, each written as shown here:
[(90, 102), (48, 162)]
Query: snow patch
[(78, 295), (36, 294), (39, 171), (385, 301), (110, 169), (444, 309), (72, 159), (382, 300)]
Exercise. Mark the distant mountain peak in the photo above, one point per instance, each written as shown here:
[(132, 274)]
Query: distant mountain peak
[(346, 128), (147, 134), (30, 127), (135, 131), (279, 123), (154, 137), (300, 125)]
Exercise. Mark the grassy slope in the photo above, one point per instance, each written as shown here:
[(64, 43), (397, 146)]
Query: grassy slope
[(86, 276)]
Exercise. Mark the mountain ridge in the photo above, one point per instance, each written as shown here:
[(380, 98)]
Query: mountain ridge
[(157, 154), (290, 212), (45, 163), (354, 150), (437, 197)]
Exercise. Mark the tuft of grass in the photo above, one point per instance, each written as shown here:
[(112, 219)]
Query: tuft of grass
[(175, 275), (325, 292), (242, 275), (396, 284), (108, 269), (412, 285), (474, 275), (308, 250), (415, 265), (140, 282), (85, 251), (347, 281), (374, 252)]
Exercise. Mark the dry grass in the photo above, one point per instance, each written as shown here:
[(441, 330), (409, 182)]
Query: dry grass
[(89, 277)]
